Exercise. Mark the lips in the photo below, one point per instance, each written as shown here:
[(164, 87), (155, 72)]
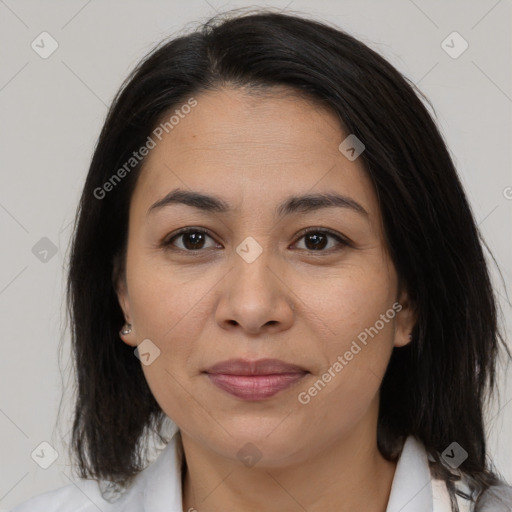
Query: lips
[(254, 380), (259, 367)]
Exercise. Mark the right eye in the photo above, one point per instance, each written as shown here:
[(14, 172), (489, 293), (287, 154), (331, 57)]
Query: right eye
[(193, 240)]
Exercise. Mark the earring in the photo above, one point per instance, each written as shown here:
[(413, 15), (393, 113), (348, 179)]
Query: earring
[(127, 329), (410, 337)]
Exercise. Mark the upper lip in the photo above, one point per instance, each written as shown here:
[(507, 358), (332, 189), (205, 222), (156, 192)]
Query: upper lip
[(258, 367)]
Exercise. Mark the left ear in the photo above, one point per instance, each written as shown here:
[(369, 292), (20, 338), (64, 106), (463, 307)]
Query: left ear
[(406, 318)]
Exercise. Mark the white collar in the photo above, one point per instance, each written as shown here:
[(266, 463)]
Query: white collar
[(411, 490), (158, 487)]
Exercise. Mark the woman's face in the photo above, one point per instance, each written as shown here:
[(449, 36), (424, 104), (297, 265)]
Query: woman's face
[(256, 286)]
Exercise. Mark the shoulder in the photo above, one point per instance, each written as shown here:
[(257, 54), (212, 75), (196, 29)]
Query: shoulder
[(86, 496), (83, 496), (497, 498), (159, 483)]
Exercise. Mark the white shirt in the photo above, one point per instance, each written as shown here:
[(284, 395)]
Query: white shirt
[(158, 489)]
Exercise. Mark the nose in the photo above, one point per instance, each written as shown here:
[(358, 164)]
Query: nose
[(255, 298)]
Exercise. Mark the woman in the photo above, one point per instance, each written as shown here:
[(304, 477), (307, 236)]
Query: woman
[(274, 251)]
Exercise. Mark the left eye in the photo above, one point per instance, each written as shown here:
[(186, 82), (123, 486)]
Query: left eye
[(193, 240), (316, 240)]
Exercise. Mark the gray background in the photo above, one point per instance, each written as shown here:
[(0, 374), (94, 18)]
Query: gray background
[(52, 111)]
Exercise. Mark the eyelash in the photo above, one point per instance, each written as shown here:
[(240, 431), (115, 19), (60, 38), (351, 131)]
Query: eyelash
[(167, 242)]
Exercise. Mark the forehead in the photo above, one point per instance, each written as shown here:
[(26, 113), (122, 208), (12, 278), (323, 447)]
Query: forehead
[(249, 147), (235, 119)]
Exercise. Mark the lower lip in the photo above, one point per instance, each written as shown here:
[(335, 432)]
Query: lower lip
[(254, 387)]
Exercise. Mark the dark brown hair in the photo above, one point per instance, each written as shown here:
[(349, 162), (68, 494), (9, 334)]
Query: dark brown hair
[(435, 388)]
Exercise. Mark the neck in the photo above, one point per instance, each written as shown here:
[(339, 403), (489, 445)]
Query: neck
[(350, 475)]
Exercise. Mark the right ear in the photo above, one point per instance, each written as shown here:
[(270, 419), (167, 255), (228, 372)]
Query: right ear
[(121, 289)]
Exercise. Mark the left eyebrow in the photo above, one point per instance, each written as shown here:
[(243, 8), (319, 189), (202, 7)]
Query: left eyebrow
[(293, 204)]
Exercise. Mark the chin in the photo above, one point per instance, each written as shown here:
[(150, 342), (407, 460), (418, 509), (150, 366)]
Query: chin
[(263, 445)]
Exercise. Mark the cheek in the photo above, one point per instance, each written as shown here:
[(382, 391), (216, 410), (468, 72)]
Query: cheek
[(343, 391), (350, 303), (161, 300), (357, 316), (172, 314)]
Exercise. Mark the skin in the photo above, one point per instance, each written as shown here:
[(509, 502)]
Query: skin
[(292, 303)]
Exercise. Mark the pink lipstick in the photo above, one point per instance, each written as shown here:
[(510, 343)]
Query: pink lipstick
[(254, 380)]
